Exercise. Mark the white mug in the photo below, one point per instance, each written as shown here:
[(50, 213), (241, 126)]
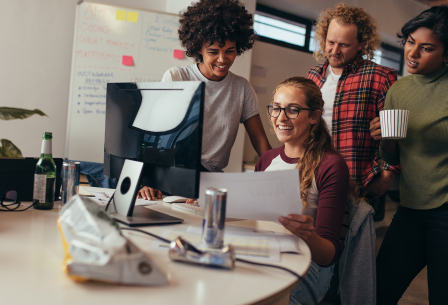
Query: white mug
[(394, 123)]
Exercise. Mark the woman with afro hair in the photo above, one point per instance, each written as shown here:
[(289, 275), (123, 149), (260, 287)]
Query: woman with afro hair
[(215, 32)]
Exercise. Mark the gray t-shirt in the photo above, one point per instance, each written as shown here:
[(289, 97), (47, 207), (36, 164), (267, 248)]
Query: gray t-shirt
[(226, 104)]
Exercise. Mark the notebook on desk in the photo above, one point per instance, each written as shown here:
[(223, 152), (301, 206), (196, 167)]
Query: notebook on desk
[(18, 174)]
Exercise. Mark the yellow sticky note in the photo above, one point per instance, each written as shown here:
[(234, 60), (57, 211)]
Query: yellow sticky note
[(132, 16), (120, 15)]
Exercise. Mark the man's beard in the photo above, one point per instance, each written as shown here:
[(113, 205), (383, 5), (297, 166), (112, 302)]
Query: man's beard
[(339, 64)]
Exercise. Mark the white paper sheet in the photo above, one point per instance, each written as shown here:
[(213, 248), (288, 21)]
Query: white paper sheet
[(288, 242), (102, 197), (164, 110), (258, 195), (254, 248), (84, 192)]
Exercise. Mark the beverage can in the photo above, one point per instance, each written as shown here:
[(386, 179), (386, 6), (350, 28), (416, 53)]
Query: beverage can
[(214, 218), (70, 180), (76, 169)]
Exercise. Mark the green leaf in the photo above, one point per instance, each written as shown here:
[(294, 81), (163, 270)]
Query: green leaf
[(8, 113), (9, 150)]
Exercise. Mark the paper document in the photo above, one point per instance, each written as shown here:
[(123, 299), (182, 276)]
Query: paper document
[(102, 198), (253, 248), (258, 195), (288, 242), (84, 192)]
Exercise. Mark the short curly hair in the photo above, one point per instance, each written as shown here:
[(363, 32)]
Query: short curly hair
[(367, 29), (208, 21)]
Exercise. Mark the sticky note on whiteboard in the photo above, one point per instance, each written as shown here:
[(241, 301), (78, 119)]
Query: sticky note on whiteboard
[(178, 54), (127, 61), (132, 16), (120, 15)]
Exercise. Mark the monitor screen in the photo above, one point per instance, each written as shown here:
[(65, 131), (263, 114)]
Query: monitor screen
[(159, 124)]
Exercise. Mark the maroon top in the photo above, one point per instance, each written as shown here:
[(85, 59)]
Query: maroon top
[(332, 181)]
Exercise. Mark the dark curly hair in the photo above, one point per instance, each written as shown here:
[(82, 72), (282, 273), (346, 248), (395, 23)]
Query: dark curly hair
[(435, 18), (208, 21)]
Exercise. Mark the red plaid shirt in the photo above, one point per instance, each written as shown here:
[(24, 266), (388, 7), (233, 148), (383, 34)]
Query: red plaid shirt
[(360, 96)]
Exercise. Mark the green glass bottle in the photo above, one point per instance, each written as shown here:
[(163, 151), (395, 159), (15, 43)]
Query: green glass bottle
[(44, 177)]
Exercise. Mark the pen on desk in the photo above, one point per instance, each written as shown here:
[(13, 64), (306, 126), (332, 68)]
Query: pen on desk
[(105, 195)]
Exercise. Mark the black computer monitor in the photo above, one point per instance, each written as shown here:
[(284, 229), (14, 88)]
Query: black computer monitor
[(159, 124)]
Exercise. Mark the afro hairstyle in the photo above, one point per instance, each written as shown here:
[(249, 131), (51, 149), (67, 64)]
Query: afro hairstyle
[(210, 21)]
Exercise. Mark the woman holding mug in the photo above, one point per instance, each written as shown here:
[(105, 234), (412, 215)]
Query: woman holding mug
[(418, 234)]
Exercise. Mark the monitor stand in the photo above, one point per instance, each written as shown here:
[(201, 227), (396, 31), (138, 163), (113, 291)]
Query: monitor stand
[(123, 207), (146, 217)]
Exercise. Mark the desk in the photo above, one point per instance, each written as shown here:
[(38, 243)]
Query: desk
[(31, 268)]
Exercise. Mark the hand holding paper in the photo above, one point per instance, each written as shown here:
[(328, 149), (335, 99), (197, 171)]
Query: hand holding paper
[(259, 195), (299, 225)]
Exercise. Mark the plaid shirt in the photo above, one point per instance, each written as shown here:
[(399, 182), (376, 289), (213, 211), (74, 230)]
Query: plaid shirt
[(360, 95)]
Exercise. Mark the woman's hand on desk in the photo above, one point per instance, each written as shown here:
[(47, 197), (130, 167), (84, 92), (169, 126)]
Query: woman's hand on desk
[(191, 201), (148, 193)]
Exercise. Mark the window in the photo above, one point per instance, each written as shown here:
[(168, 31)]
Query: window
[(282, 29), (313, 45), (297, 33), (390, 57)]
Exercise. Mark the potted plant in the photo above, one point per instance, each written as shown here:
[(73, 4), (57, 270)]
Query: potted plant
[(7, 148)]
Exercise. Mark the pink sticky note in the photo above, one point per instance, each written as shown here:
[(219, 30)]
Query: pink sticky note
[(127, 61), (178, 54)]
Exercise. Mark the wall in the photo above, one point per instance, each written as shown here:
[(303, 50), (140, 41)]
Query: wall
[(279, 63), (35, 61)]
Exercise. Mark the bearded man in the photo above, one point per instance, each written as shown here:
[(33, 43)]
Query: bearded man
[(354, 89)]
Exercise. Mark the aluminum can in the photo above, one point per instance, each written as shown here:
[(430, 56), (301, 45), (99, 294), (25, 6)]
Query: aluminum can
[(214, 218), (70, 180), (76, 170)]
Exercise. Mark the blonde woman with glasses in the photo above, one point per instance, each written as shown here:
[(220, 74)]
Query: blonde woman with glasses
[(295, 114)]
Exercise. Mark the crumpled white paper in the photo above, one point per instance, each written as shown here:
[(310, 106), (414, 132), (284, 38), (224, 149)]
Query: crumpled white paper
[(96, 250)]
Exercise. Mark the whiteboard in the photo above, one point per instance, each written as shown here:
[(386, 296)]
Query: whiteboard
[(113, 44)]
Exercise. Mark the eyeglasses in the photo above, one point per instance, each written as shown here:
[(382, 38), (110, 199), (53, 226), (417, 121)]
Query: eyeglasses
[(291, 112), (8, 197)]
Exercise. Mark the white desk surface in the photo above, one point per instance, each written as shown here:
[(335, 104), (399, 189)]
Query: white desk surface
[(31, 268)]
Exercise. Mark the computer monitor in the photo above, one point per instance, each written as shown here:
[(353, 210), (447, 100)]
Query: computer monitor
[(159, 124)]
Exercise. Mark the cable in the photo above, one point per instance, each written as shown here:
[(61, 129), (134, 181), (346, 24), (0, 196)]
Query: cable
[(110, 200), (144, 232), (242, 261), (285, 269), (6, 206)]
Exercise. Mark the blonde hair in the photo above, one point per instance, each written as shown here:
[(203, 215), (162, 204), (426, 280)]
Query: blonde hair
[(367, 29), (318, 140)]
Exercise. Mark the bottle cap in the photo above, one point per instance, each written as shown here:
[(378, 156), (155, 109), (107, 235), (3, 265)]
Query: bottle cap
[(47, 135)]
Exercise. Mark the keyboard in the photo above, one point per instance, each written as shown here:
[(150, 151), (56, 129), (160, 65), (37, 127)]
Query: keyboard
[(189, 207)]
